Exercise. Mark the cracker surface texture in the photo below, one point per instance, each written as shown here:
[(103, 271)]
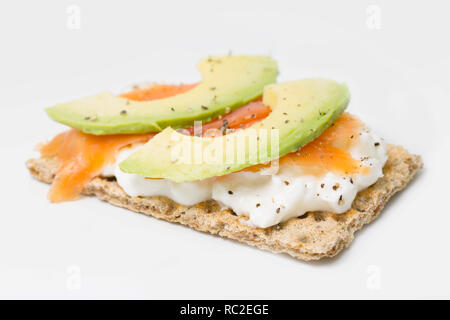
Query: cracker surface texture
[(313, 236)]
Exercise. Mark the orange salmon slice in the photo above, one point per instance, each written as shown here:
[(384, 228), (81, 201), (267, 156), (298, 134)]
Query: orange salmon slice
[(329, 152), (83, 157)]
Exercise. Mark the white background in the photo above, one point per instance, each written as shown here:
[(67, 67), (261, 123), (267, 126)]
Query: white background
[(398, 77)]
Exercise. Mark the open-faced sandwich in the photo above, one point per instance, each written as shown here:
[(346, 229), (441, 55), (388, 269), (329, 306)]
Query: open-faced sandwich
[(279, 166)]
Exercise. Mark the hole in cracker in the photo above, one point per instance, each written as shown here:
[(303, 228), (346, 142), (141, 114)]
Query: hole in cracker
[(319, 217)]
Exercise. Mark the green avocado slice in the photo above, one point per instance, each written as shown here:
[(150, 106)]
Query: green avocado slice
[(228, 83), (301, 111)]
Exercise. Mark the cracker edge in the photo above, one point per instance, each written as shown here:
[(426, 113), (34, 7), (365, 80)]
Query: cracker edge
[(311, 237)]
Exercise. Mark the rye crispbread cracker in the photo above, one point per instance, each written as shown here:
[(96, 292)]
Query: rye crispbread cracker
[(310, 237)]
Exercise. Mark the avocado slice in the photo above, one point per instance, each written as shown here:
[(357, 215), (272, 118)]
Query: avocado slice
[(228, 83), (301, 111)]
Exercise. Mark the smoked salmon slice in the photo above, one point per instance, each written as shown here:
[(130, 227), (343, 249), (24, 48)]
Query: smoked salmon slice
[(330, 152), (83, 157)]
